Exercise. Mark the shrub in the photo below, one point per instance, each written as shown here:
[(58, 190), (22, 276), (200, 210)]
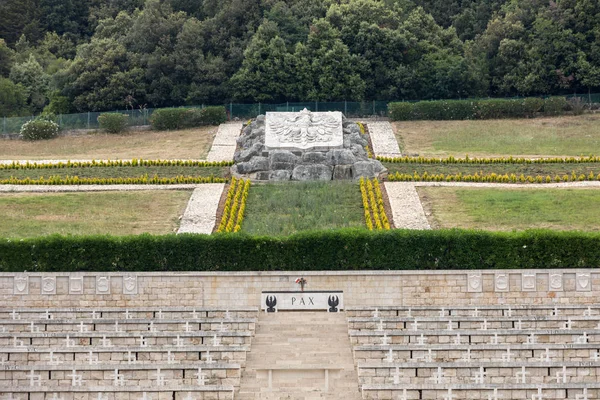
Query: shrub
[(39, 129), (400, 111), (180, 118), (555, 105), (167, 119), (113, 122), (532, 105), (576, 105)]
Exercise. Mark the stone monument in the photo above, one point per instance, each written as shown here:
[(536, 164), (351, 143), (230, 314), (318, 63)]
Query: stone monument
[(303, 146)]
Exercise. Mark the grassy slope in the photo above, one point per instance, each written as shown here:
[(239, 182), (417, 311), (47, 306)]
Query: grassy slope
[(183, 144), (560, 136), (117, 213), (512, 209), (283, 209)]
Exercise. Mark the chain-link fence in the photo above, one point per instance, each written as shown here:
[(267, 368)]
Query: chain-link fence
[(235, 111)]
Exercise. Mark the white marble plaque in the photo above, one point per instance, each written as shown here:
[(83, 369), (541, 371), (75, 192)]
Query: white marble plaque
[(528, 282), (76, 285), (501, 282), (49, 285), (21, 284), (303, 130), (102, 285), (555, 282), (474, 282), (130, 285), (331, 301), (583, 282)]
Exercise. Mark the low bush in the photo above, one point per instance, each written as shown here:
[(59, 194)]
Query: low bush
[(400, 111), (181, 118), (113, 122), (348, 249), (532, 105), (555, 105), (39, 129)]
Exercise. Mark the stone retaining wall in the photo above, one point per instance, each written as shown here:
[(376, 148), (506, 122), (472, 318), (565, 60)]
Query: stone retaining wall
[(361, 288)]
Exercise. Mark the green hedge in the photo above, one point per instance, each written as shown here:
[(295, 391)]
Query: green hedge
[(181, 118), (324, 250), (477, 109)]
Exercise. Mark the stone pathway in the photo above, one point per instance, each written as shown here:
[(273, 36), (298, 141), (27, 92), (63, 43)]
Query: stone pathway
[(201, 212), (94, 188), (383, 139), (224, 144), (407, 210)]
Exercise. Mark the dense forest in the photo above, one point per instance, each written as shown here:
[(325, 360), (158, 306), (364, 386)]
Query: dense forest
[(65, 56)]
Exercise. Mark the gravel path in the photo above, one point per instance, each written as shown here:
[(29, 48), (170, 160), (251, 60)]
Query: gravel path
[(407, 211), (383, 139), (224, 144), (201, 212), (93, 188)]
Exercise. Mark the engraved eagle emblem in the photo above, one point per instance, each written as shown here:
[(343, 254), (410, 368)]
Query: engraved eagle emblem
[(305, 127)]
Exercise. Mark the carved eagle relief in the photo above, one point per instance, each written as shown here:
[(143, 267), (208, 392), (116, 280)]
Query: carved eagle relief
[(304, 128)]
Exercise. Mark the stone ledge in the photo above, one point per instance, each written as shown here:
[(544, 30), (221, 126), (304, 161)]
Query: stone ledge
[(140, 365)]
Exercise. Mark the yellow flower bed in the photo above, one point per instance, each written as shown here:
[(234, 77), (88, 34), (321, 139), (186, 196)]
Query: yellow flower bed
[(373, 205), (141, 180), (235, 206)]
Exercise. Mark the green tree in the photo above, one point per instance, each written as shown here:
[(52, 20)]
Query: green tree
[(35, 81), (13, 98)]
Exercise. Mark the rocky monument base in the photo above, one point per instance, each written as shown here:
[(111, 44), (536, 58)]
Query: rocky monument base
[(303, 146)]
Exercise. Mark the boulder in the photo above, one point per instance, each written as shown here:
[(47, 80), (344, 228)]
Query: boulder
[(280, 175), (340, 156), (342, 172), (358, 151), (363, 169), (246, 155), (257, 163), (314, 157), (282, 159), (313, 172)]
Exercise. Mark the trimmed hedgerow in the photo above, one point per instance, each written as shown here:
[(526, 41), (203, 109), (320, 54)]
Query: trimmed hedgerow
[(324, 250), (113, 122), (181, 118)]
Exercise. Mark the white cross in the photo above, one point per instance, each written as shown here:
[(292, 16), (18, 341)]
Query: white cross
[(596, 356), (450, 325), (94, 315), (561, 376), (82, 327), (209, 359), (476, 312), (118, 379), (55, 397), (117, 329), (442, 312), (522, 375), (216, 341), (404, 395), (390, 356), (385, 340), (194, 314), (457, 339), (143, 341), (52, 360), (2, 361), (583, 396), (409, 313), (69, 342), (422, 340), (519, 325), (376, 313), (15, 315), (545, 356), (187, 327), (555, 312), (146, 396), (151, 327), (101, 397), (178, 342), (2, 329), (449, 396), (33, 328), (415, 325), (507, 357), (509, 313), (201, 377), (17, 342), (34, 379), (479, 376), (397, 376), (538, 396), (160, 378), (76, 380), (222, 328), (494, 395), (582, 339), (130, 358), (531, 339), (588, 312), (160, 314), (48, 315), (92, 359), (428, 357), (105, 342), (127, 316), (484, 325), (438, 377), (380, 325), (494, 339), (467, 357), (227, 315), (568, 324), (170, 358), (189, 396)]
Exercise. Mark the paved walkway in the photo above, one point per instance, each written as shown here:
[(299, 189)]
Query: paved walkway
[(224, 144), (407, 210), (383, 139), (201, 213)]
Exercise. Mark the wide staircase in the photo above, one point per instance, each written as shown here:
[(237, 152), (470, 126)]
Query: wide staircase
[(455, 353), (123, 354), (300, 356)]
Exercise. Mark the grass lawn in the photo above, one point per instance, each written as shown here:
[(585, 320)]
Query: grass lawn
[(284, 209), (115, 172), (512, 209), (559, 136), (116, 213), (184, 144)]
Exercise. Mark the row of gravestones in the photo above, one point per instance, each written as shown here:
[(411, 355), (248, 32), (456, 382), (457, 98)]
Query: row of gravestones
[(583, 282), (48, 286)]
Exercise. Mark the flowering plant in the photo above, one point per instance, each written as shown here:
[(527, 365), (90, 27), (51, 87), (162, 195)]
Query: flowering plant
[(301, 282)]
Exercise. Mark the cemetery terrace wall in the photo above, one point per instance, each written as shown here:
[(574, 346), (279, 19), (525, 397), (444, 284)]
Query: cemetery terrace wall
[(361, 288)]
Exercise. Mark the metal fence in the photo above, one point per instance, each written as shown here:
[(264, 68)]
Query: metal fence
[(141, 117)]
